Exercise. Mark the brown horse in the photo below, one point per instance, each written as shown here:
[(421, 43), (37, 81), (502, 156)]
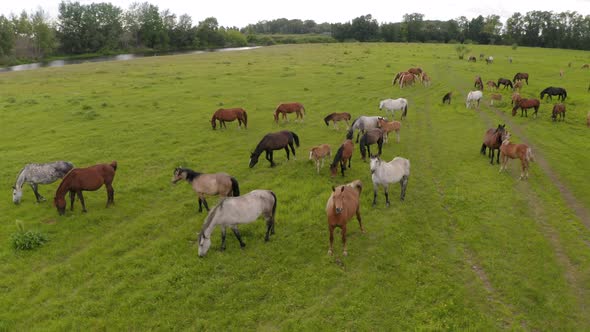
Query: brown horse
[(407, 79), (472, 59), (521, 76), (558, 109), (398, 76), (283, 109), (342, 205), (319, 153), (517, 86), (415, 71), (426, 81), (88, 179), (372, 136), (389, 126), (515, 98), (492, 139), (524, 105), (478, 84), (585, 66), (492, 85), (274, 141), (221, 184), (229, 114), (335, 117), (343, 155), (495, 96), (513, 151)]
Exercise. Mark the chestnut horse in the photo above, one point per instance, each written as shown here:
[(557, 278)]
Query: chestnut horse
[(478, 84), (343, 155), (274, 141), (318, 154), (89, 179), (524, 105), (335, 117), (398, 76), (558, 109), (492, 85), (513, 151), (229, 114), (389, 126), (283, 109), (521, 76), (407, 79), (221, 184), (343, 204), (372, 136), (492, 139), (495, 96)]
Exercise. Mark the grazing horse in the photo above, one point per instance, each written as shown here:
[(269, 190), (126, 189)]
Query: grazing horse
[(35, 174), (283, 109), (524, 105), (585, 66), (398, 76), (335, 117), (89, 179), (558, 109), (362, 123), (229, 114), (232, 211), (372, 136), (472, 59), (344, 202), (318, 154), (472, 97), (513, 151), (504, 81), (517, 86), (385, 173), (274, 141), (221, 184), (407, 79), (495, 96), (553, 91), (389, 126), (492, 85), (478, 84), (447, 98), (521, 76), (426, 81), (392, 105), (489, 60), (492, 139), (343, 155), (515, 98)]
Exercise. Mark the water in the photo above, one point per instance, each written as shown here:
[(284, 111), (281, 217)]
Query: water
[(120, 57)]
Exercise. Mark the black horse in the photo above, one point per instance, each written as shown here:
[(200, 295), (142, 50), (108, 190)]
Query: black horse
[(372, 136), (506, 82), (553, 91), (274, 141), (447, 98)]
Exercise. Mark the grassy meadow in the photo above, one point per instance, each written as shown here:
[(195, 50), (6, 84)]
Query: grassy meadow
[(469, 248)]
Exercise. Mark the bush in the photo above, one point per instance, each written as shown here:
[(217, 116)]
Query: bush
[(514, 46), (26, 240)]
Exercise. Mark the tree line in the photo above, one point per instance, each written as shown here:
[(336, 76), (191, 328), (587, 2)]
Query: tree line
[(104, 28)]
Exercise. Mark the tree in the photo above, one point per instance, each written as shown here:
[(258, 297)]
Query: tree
[(209, 34), (43, 34), (413, 26), (6, 36), (365, 28)]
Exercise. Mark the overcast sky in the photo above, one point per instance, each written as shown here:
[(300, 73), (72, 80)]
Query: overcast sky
[(242, 12)]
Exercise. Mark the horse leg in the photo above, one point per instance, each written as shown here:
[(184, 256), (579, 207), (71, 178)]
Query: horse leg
[(287, 149), (404, 185), (375, 188), (386, 190), (331, 228), (223, 233), (397, 134), (237, 234), (492, 157), (293, 150), (380, 145), (205, 203), (344, 252), (342, 167), (110, 194), (498, 157), (358, 217), (317, 165), (72, 198), (37, 195), (270, 223), (81, 197)]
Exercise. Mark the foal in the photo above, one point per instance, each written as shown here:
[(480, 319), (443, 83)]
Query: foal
[(558, 109), (513, 151), (319, 153), (389, 126), (342, 205)]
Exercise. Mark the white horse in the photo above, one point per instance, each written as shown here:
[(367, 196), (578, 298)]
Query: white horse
[(489, 60), (232, 211), (362, 123), (392, 105), (472, 97), (385, 173), (35, 174)]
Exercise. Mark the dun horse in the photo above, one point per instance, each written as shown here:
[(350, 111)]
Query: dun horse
[(521, 76), (492, 139), (524, 105), (283, 109), (274, 141), (558, 109), (221, 184), (385, 173), (372, 136), (343, 204), (343, 155), (229, 114), (318, 154), (35, 174), (85, 179), (513, 151), (389, 126), (233, 211), (335, 117)]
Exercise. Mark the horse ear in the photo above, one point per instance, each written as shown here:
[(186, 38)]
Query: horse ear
[(333, 188), (342, 189)]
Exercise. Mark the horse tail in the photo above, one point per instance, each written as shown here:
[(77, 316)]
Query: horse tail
[(564, 94), (245, 119), (114, 165), (235, 187), (405, 110), (353, 123), (274, 205), (483, 148), (326, 119), (296, 138)]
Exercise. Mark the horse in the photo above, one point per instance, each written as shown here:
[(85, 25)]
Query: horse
[(318, 153), (372, 136), (492, 85), (481, 55), (426, 81), (385, 173), (513, 151), (517, 86), (232, 211), (472, 59), (35, 174), (343, 203), (274, 141), (389, 126), (515, 97), (553, 91), (229, 114), (510, 59), (447, 98), (495, 96), (89, 179), (524, 105), (221, 184), (521, 76), (489, 60), (585, 66), (392, 105), (407, 79), (283, 109), (343, 155), (417, 71), (398, 76), (558, 109), (335, 117), (504, 81), (478, 84), (492, 139), (561, 73), (362, 123), (473, 96)]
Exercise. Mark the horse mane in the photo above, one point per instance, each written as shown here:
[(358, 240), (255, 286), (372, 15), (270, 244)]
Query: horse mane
[(353, 123), (338, 156), (328, 118), (190, 174), (63, 181), (350, 133), (211, 215)]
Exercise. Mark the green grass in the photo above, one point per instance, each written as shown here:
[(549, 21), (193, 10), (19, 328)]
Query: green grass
[(468, 249)]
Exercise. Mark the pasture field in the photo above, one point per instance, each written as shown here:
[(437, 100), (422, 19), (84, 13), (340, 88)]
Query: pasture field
[(469, 248)]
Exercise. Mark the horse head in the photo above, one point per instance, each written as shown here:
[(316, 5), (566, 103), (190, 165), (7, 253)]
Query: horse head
[(253, 159), (213, 122), (179, 174), (17, 194), (60, 204), (338, 199), (204, 244), (375, 162)]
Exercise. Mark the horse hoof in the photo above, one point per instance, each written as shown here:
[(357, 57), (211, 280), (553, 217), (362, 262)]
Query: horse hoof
[(242, 245), (330, 252), (345, 253), (387, 204)]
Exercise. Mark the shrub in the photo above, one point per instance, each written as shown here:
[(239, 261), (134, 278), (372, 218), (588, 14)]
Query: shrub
[(26, 240), (514, 46)]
